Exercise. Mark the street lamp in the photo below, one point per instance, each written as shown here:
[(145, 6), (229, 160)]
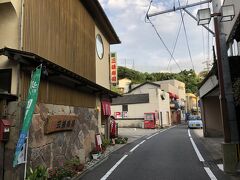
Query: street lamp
[(203, 16), (227, 13), (228, 112)]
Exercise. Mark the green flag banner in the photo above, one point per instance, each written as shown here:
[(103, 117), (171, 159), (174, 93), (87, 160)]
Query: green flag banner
[(30, 106)]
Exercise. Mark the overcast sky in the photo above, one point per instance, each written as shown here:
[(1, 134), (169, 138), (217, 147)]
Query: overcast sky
[(141, 48)]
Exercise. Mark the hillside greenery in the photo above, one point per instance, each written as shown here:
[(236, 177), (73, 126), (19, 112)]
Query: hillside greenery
[(189, 77)]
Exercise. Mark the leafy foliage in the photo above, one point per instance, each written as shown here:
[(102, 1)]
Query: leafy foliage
[(121, 140), (58, 173), (189, 77), (69, 169), (115, 89), (39, 173)]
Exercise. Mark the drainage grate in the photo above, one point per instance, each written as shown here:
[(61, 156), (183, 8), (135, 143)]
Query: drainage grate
[(212, 163)]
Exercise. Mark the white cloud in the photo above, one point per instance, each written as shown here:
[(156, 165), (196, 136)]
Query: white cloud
[(141, 44)]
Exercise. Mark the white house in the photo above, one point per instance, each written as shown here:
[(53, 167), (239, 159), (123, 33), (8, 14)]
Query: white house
[(145, 98)]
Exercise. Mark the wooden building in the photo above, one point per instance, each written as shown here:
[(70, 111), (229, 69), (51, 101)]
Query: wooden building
[(71, 39)]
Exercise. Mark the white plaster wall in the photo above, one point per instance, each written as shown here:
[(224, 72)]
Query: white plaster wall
[(124, 83), (9, 36), (135, 110), (174, 86), (130, 123), (102, 65), (164, 107), (156, 104)]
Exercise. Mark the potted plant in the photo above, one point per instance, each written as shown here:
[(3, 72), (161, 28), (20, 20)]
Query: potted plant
[(95, 153)]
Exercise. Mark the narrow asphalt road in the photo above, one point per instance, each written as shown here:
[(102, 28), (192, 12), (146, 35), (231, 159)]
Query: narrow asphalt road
[(167, 155)]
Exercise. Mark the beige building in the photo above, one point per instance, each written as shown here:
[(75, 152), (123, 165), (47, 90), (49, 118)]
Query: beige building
[(71, 39), (174, 86), (177, 88), (191, 104), (123, 85), (145, 98)]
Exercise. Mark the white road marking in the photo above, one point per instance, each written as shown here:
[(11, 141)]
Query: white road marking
[(113, 168), (135, 147), (189, 133), (196, 150), (220, 166), (154, 135), (151, 136), (210, 173), (142, 142), (160, 132), (207, 169)]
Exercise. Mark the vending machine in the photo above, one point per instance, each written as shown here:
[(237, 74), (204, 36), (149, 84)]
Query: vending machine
[(150, 120)]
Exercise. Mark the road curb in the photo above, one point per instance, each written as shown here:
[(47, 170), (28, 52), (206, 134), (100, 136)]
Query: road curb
[(100, 161)]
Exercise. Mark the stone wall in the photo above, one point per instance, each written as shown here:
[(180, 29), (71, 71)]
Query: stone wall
[(52, 149)]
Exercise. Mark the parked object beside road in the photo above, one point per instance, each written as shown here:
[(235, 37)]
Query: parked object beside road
[(195, 122)]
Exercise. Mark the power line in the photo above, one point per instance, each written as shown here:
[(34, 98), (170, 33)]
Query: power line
[(185, 31), (164, 44), (204, 57), (149, 21), (175, 44), (208, 42)]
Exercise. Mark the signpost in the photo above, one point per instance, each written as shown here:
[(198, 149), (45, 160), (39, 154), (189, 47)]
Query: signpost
[(113, 68), (21, 148)]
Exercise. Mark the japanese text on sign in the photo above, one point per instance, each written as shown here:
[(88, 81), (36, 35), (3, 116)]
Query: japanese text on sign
[(58, 123), (113, 68)]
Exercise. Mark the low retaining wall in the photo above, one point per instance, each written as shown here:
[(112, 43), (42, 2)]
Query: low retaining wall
[(130, 123), (55, 148)]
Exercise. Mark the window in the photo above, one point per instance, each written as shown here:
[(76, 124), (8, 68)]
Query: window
[(5, 80), (125, 107), (99, 46)]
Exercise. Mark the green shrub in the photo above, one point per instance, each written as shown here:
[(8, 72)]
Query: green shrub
[(74, 164), (105, 142), (59, 173), (69, 169), (121, 140), (39, 173)]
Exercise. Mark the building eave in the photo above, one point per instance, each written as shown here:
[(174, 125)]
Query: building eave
[(151, 83), (56, 73), (97, 13)]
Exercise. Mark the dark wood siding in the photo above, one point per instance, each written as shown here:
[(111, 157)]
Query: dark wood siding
[(63, 32), (52, 93)]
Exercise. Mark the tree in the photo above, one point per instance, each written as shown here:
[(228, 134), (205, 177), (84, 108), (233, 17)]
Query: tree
[(203, 74), (188, 77)]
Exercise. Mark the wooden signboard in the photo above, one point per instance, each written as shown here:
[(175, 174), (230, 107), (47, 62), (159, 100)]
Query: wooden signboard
[(56, 123)]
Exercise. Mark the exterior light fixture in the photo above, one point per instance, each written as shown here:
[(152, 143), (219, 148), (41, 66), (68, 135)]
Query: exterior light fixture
[(227, 13), (203, 16)]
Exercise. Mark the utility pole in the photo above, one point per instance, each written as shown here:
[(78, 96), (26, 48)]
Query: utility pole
[(227, 105), (228, 111), (225, 84)]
